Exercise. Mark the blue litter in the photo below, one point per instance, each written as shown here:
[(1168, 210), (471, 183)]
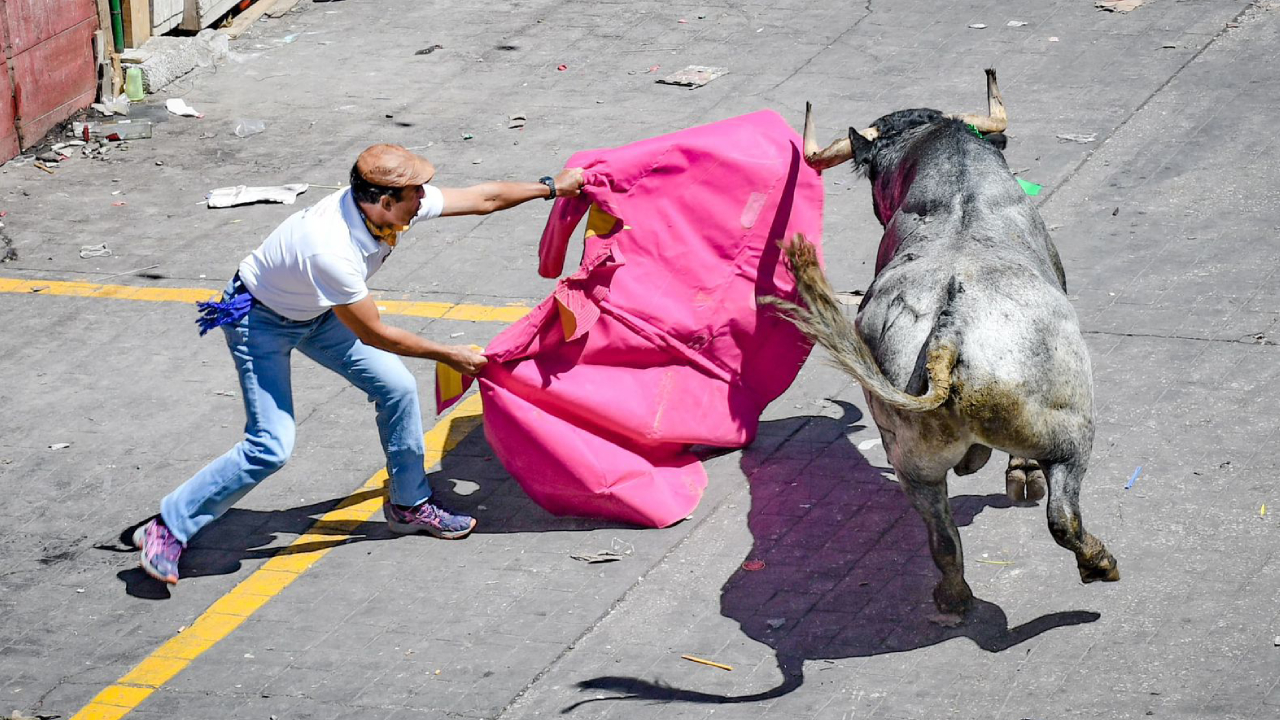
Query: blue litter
[(1134, 478)]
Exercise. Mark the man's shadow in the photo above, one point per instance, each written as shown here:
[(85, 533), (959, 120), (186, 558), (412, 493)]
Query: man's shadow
[(470, 480), (840, 566), (240, 535)]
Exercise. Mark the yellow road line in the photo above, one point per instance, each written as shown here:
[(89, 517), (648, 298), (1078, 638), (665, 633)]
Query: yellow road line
[(231, 610), (449, 311)]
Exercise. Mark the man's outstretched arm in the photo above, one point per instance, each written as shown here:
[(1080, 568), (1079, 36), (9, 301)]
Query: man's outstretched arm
[(490, 197)]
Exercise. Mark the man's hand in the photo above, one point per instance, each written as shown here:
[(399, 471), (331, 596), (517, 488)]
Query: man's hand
[(569, 182), (464, 359)]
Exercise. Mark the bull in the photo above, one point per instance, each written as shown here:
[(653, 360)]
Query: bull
[(965, 341)]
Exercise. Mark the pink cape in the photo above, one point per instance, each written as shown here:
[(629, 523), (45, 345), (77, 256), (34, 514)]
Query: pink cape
[(657, 342)]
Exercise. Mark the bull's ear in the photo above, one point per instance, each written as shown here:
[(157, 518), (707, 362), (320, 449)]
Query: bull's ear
[(861, 146), (1000, 140)]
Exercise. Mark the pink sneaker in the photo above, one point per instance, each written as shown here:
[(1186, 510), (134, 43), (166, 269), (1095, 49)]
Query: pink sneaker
[(429, 518), (160, 551)]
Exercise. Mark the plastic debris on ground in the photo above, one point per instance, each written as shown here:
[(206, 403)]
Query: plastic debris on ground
[(1118, 6), (429, 50), (92, 251), (178, 106), (1133, 478), (126, 129), (693, 76), (1078, 138), (60, 446), (247, 127), (978, 26), (117, 106), (603, 556), (753, 565), (516, 121), (618, 549), (1016, 23), (243, 195), (1029, 188)]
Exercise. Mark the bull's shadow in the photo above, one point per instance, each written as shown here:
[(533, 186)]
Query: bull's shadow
[(847, 570)]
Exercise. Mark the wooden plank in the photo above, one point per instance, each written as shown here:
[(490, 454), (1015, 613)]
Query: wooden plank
[(247, 18), (53, 80), (8, 111), (137, 22), (32, 22), (104, 16), (281, 7)]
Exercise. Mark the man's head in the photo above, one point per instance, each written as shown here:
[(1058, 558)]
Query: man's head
[(386, 182)]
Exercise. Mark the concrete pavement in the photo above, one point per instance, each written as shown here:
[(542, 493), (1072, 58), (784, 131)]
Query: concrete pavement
[(1166, 224)]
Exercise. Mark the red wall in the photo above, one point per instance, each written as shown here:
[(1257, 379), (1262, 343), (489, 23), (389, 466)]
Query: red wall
[(49, 73)]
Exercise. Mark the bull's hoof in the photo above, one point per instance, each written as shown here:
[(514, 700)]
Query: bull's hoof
[(947, 620), (1104, 568), (1024, 481), (953, 598)]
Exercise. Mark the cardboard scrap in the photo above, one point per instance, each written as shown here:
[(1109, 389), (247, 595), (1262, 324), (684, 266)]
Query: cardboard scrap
[(603, 556), (1118, 6), (241, 195), (693, 76)]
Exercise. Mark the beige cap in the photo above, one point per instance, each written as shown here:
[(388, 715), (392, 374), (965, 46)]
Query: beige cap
[(393, 166)]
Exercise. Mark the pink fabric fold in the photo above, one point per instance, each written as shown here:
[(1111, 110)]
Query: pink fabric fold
[(657, 342)]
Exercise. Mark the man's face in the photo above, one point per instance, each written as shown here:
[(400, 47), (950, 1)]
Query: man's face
[(401, 208)]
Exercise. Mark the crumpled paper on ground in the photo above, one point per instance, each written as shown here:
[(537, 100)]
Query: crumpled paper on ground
[(1118, 6), (178, 106), (242, 195)]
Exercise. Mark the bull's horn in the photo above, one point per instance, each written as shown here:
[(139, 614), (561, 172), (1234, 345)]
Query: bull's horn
[(837, 152), (996, 120)]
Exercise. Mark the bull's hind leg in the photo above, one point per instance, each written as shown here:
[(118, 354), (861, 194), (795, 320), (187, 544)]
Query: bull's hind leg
[(928, 494), (1092, 557), (1024, 480)]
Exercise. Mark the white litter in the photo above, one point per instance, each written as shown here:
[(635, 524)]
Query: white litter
[(868, 444), (242, 195), (1079, 138), (178, 106), (978, 26), (1016, 23)]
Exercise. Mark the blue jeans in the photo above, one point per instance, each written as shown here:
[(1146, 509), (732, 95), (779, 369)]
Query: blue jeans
[(261, 344)]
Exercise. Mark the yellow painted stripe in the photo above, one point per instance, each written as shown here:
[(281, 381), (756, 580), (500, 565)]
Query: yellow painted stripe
[(473, 313), (232, 609)]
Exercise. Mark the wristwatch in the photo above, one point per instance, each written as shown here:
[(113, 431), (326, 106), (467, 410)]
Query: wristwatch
[(551, 185)]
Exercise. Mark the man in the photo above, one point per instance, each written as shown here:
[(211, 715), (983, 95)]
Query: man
[(305, 288)]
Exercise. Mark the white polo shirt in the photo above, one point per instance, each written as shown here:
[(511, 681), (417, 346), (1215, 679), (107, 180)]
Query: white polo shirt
[(321, 256)]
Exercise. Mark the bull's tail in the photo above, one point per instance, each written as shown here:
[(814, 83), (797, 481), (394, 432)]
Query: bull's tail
[(824, 322)]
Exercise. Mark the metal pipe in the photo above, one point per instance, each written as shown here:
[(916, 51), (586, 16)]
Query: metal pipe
[(117, 25)]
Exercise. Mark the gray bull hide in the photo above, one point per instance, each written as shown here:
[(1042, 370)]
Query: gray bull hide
[(965, 340)]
